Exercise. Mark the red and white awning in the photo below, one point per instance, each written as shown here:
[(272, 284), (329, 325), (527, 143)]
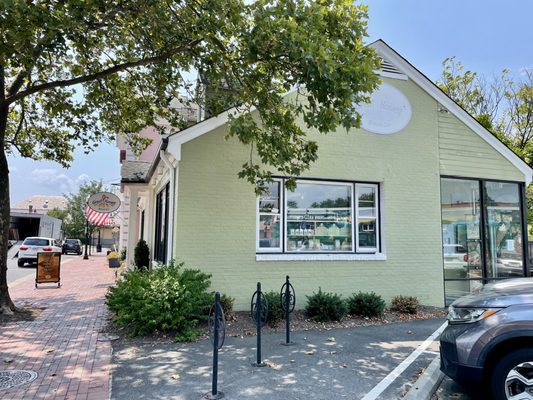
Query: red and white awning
[(98, 218)]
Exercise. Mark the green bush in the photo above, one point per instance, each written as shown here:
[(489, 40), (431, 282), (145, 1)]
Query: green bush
[(366, 304), (123, 254), (325, 306), (227, 303), (275, 313), (165, 298), (405, 304), (141, 255)]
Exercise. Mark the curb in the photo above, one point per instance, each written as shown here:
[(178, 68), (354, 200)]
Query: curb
[(427, 383)]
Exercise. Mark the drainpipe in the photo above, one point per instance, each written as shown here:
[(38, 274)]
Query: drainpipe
[(170, 240)]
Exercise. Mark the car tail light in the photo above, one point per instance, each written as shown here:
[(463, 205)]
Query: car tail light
[(465, 257), (47, 249), (23, 248)]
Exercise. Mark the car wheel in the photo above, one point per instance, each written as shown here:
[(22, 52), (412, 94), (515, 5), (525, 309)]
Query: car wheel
[(512, 376), (20, 263)]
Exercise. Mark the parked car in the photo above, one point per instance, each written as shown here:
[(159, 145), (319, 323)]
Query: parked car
[(489, 340), (72, 246), (31, 246)]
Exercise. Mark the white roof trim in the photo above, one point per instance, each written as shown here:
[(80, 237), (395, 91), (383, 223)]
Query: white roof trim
[(421, 80), (386, 52)]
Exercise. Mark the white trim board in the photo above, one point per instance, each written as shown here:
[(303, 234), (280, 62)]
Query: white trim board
[(385, 51)]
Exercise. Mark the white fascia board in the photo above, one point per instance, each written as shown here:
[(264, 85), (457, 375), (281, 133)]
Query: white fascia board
[(176, 140), (385, 51)]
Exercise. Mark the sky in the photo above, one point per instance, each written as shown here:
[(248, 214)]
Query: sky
[(486, 36)]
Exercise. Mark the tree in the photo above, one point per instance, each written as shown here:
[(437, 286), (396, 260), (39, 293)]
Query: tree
[(76, 73), (74, 223), (502, 105)]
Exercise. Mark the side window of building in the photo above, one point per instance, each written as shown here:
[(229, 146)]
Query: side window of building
[(269, 219), (319, 217)]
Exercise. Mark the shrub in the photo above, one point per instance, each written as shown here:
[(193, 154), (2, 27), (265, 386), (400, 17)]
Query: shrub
[(325, 306), (227, 303), (164, 299), (141, 255), (275, 313), (123, 254), (405, 304), (366, 304)]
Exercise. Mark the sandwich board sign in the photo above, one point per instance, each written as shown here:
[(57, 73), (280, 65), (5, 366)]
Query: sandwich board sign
[(48, 268)]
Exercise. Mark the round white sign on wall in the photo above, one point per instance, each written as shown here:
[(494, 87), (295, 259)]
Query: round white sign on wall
[(389, 111), (104, 202)]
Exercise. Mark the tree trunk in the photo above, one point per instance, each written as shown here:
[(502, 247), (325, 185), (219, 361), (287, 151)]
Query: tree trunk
[(6, 305)]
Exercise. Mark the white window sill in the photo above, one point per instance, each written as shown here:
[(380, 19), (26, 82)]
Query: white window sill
[(321, 257)]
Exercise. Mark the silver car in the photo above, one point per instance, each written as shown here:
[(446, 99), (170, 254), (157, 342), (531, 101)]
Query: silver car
[(489, 340)]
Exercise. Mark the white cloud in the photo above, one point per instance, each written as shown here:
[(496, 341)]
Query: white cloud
[(57, 181)]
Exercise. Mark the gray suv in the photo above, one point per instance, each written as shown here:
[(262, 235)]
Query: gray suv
[(489, 340)]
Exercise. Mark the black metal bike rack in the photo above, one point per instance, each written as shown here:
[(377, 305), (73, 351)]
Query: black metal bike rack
[(259, 313), (288, 302), (217, 335)]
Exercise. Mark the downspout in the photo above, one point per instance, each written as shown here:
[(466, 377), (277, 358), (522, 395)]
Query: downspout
[(170, 240)]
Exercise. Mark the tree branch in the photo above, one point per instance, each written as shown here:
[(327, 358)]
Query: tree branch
[(101, 74)]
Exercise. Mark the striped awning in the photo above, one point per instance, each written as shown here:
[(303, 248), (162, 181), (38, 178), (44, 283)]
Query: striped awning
[(98, 218)]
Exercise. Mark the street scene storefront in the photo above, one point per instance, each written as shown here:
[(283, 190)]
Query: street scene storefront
[(421, 200)]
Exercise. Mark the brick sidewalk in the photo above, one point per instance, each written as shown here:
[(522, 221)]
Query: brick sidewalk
[(62, 345)]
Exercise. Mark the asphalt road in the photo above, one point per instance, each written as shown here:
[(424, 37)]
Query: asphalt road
[(366, 363)]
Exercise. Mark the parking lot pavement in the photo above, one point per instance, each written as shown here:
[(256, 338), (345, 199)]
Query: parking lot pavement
[(370, 363)]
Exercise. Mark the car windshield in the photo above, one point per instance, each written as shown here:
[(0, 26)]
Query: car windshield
[(37, 242), (72, 241)]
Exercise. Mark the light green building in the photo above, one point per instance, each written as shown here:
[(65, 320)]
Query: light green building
[(420, 201)]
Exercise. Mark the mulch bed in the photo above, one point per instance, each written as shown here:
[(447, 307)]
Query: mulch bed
[(240, 324)]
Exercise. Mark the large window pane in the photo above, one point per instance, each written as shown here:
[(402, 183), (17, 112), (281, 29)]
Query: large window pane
[(269, 219), (461, 231), (319, 218), (504, 230), (367, 232)]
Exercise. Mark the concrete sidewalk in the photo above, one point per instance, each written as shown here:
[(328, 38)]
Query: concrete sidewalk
[(62, 345)]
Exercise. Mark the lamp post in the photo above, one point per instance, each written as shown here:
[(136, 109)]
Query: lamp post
[(85, 256)]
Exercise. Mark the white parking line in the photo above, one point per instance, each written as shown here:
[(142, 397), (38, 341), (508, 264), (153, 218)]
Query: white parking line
[(396, 372)]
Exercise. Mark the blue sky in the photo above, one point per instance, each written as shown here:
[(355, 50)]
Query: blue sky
[(485, 35)]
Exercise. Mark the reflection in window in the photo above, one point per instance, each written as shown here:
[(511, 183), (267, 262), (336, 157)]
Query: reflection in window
[(366, 218), (504, 230), (270, 219), (319, 218)]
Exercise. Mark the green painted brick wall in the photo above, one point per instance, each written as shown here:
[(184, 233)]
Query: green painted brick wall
[(216, 212)]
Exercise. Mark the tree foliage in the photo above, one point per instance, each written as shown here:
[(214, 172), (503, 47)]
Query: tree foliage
[(74, 222), (76, 73), (501, 104)]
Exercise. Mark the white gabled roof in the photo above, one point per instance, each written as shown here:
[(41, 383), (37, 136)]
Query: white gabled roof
[(392, 57), (394, 66)]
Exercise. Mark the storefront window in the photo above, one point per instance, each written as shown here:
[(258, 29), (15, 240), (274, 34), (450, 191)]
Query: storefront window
[(504, 230), (481, 238), (318, 217)]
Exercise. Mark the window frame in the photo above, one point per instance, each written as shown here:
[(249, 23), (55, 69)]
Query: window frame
[(356, 252), (258, 214), (374, 186)]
